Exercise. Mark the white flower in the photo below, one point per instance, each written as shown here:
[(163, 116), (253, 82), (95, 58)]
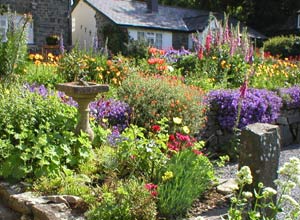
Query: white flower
[(291, 200), (247, 195), (244, 176), (268, 192)]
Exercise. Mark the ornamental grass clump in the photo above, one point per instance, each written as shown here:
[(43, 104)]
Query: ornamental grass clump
[(258, 105), (155, 97)]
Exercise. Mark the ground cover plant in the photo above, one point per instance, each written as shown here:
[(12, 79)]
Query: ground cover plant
[(146, 160)]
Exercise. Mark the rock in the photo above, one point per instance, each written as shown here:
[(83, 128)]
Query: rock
[(69, 200), (50, 211), (260, 150), (24, 201), (227, 187)]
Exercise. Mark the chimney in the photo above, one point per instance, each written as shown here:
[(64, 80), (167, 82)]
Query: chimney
[(152, 6)]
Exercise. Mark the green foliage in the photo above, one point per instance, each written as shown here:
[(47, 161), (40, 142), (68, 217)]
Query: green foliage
[(130, 156), (36, 135), (78, 64), (283, 46), (126, 200), (13, 52), (155, 97), (137, 49), (117, 38), (41, 74), (265, 202), (66, 183), (186, 176)]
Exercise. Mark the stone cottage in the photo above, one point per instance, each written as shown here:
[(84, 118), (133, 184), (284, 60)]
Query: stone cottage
[(159, 25), (49, 17)]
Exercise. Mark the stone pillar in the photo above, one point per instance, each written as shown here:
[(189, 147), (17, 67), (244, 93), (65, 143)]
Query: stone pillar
[(260, 150)]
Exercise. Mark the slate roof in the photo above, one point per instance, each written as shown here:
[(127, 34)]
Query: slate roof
[(134, 13)]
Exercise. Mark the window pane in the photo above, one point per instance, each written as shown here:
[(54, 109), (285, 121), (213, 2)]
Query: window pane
[(158, 41), (140, 35)]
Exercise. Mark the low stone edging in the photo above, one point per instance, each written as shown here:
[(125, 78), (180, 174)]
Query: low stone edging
[(31, 207)]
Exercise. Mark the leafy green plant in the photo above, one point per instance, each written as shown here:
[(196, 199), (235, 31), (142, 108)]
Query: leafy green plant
[(186, 176), (155, 97), (126, 200), (262, 203), (132, 152), (79, 64), (283, 46), (37, 135)]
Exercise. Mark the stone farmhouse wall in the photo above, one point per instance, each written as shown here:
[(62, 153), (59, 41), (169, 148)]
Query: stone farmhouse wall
[(49, 17), (219, 139)]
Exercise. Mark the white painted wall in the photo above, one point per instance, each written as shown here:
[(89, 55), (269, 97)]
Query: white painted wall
[(83, 25), (167, 38)]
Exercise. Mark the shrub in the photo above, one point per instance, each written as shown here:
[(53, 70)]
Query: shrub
[(259, 105), (132, 152), (126, 200), (81, 65), (137, 49), (186, 176), (36, 135), (283, 46), (155, 97)]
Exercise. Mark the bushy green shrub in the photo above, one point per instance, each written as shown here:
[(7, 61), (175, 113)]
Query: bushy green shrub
[(283, 46), (126, 200), (155, 97), (187, 175), (137, 49), (36, 135)]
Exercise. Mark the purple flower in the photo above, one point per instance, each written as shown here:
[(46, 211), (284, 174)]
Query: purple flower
[(290, 96), (116, 112), (258, 105)]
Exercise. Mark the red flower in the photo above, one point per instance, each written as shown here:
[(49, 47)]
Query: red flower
[(155, 128), (152, 188), (171, 137), (197, 152)]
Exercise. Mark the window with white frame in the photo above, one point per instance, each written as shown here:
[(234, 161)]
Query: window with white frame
[(152, 38), (18, 18)]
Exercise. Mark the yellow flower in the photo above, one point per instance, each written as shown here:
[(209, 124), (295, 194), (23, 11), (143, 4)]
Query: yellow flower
[(167, 175), (186, 129), (177, 120)]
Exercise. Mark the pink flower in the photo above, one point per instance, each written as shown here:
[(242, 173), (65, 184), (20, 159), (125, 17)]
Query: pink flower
[(243, 89), (152, 188)]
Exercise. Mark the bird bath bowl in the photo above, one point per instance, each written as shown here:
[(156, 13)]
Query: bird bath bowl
[(83, 95)]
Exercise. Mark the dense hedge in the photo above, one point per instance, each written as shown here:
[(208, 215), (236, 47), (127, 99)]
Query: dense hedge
[(284, 46)]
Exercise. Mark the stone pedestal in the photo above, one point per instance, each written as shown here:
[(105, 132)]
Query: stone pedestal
[(83, 95)]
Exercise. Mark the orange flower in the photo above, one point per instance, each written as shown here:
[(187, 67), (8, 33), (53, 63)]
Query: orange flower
[(152, 50), (109, 62)]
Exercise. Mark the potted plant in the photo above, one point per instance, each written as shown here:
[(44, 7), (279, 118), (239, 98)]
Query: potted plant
[(52, 39)]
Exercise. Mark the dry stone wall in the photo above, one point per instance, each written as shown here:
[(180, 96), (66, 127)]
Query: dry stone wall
[(219, 139)]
